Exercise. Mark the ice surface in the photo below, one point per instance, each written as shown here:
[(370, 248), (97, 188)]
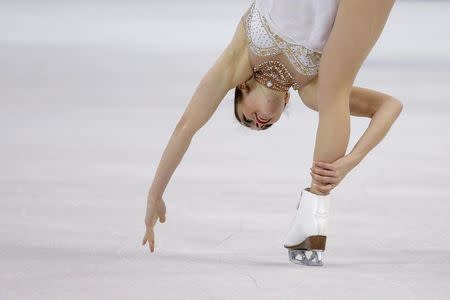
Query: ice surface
[(90, 93)]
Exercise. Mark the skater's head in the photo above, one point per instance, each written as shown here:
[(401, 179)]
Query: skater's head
[(257, 106)]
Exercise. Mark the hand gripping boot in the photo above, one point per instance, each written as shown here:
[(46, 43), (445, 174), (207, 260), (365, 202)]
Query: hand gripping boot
[(309, 229)]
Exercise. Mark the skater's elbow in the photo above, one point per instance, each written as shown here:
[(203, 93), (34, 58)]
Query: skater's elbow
[(387, 103), (398, 105), (394, 105)]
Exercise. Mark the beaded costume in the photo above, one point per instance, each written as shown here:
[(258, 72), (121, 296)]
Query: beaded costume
[(276, 34)]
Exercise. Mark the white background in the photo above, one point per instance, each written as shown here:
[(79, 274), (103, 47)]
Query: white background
[(90, 92)]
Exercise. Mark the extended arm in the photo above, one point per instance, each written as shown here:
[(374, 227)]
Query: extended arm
[(211, 90), (209, 93)]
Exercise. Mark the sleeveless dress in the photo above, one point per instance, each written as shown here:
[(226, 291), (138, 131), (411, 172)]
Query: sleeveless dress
[(292, 32)]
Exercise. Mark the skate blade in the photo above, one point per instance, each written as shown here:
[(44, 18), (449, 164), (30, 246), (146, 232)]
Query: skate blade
[(315, 258)]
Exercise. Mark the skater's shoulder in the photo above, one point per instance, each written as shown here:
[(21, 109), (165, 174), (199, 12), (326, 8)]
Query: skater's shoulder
[(239, 42), (238, 56)]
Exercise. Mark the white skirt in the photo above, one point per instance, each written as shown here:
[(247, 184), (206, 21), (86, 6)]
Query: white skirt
[(304, 22)]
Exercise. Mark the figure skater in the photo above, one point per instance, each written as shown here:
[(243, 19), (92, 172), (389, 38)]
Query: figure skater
[(317, 48)]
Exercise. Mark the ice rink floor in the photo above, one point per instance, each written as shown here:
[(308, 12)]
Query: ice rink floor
[(90, 93)]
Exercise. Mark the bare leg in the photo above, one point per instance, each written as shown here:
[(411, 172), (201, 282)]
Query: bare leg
[(357, 26)]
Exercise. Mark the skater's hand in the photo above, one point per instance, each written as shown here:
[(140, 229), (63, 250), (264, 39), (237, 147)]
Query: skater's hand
[(156, 208), (327, 176)]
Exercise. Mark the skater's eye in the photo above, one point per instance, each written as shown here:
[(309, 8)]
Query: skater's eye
[(247, 122)]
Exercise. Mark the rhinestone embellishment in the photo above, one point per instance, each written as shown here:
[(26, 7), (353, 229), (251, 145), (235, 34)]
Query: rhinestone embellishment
[(264, 42), (274, 75)]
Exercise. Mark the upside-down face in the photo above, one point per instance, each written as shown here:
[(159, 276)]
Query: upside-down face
[(258, 107)]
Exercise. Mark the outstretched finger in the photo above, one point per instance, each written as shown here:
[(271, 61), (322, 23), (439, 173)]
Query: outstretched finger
[(151, 240), (162, 218), (151, 246), (162, 213)]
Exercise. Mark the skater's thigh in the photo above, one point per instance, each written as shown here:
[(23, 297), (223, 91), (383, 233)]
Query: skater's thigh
[(357, 26)]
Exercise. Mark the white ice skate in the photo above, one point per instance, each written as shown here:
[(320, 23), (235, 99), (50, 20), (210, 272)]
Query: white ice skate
[(309, 229)]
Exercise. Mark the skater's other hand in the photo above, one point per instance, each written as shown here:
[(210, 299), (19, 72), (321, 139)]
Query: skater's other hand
[(156, 208), (327, 176)]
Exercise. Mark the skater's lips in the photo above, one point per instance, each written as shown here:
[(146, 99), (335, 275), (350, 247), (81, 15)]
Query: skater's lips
[(261, 121)]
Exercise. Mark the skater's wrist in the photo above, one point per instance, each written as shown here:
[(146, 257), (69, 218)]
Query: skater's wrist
[(357, 157), (152, 198)]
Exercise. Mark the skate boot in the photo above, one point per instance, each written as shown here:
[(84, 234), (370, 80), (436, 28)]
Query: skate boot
[(309, 228)]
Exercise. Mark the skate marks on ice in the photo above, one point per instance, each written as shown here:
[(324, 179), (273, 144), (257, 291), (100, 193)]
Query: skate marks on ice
[(223, 258)]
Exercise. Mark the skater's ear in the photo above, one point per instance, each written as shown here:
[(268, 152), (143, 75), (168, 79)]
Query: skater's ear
[(237, 99)]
